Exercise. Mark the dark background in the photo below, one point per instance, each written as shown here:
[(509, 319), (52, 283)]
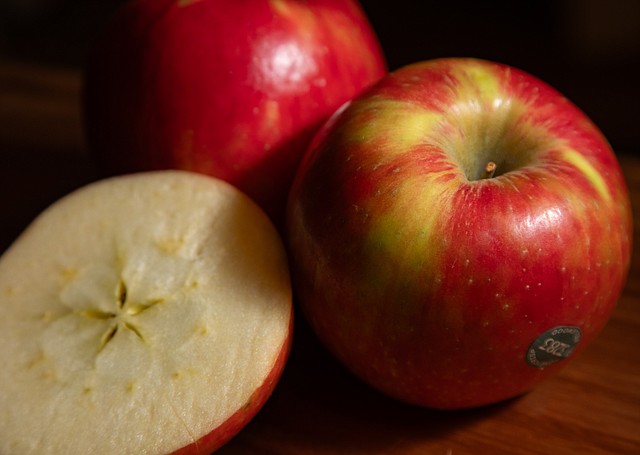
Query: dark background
[(587, 49)]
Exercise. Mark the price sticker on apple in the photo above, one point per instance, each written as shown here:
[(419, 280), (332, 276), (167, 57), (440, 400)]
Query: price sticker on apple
[(553, 345)]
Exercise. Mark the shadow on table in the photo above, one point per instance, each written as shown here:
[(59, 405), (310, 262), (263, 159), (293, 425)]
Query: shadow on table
[(320, 407)]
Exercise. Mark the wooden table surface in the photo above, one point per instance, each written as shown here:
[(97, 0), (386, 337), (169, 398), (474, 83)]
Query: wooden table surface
[(591, 407)]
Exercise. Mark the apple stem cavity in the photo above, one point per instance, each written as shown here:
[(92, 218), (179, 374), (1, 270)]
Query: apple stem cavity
[(489, 170)]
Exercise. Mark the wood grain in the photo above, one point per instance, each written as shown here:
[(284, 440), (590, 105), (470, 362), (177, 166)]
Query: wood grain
[(591, 407)]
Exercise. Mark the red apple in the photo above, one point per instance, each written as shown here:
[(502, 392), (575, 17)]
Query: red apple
[(230, 88), (148, 313), (458, 232)]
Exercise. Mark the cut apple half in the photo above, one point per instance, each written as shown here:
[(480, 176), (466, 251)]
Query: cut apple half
[(142, 314)]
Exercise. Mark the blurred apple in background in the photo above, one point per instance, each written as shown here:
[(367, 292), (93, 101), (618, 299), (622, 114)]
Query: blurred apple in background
[(458, 232), (230, 88)]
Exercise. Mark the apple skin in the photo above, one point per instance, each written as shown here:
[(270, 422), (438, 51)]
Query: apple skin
[(432, 284), (233, 89), (235, 423)]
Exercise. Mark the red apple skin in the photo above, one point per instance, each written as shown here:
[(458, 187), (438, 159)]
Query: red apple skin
[(231, 88), (431, 285), (235, 423)]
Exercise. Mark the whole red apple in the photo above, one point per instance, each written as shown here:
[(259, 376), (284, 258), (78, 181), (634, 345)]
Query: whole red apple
[(230, 88), (458, 232)]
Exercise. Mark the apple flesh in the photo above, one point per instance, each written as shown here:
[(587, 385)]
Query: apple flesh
[(458, 233), (233, 89), (149, 313)]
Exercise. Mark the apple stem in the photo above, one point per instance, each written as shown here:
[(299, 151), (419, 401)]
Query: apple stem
[(489, 170)]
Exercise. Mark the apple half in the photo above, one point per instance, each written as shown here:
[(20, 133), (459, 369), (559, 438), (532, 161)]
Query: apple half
[(148, 313)]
